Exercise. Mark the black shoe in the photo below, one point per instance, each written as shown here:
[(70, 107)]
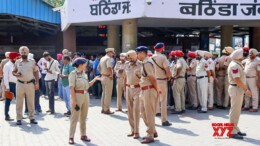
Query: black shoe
[(166, 123), (52, 113), (48, 111), (176, 112), (40, 111), (241, 134), (158, 115), (201, 111), (33, 121), (236, 136), (8, 118), (183, 111), (19, 122), (192, 108)]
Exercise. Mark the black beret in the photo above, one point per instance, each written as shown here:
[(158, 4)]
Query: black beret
[(79, 61), (141, 49)]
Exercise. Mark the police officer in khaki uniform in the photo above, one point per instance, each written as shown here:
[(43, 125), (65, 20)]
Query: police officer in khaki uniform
[(119, 71), (252, 71), (149, 94), (179, 83), (163, 74), (79, 85), (202, 73), (191, 80), (132, 79), (212, 78), (105, 68), (27, 75), (221, 73), (236, 90), (227, 61)]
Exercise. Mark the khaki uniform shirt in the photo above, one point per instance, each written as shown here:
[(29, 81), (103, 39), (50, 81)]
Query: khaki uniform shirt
[(149, 68), (220, 65), (78, 80), (236, 70), (119, 69), (192, 66), (26, 68), (227, 62), (163, 62), (251, 67), (202, 67), (181, 63), (133, 72), (105, 63)]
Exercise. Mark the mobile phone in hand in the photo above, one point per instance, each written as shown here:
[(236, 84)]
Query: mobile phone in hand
[(77, 108)]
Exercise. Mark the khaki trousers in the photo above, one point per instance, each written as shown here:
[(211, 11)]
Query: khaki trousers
[(227, 98), (22, 91), (162, 99), (107, 87), (202, 86), (220, 89), (192, 90), (236, 96), (133, 106), (178, 94), (252, 86), (119, 91), (81, 115), (147, 107), (211, 92)]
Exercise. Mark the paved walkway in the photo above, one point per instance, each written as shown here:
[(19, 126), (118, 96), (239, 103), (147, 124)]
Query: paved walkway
[(188, 129)]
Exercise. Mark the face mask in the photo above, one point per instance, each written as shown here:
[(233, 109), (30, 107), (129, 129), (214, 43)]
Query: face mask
[(24, 56)]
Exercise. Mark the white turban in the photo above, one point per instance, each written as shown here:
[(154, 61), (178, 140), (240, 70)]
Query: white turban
[(254, 51), (229, 50), (207, 54), (199, 52), (24, 49), (132, 54), (237, 54), (7, 54), (122, 54)]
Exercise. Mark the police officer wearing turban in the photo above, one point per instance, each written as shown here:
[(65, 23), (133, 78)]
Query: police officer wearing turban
[(149, 94), (163, 74), (27, 74), (236, 90), (79, 85), (252, 71)]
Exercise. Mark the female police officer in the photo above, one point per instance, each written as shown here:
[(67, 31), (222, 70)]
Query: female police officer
[(79, 84)]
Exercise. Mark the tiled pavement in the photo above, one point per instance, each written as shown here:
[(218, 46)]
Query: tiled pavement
[(188, 129)]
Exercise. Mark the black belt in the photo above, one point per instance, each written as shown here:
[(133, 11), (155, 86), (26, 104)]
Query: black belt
[(161, 78), (26, 82), (180, 77), (12, 83), (250, 77), (233, 85), (191, 75), (200, 77)]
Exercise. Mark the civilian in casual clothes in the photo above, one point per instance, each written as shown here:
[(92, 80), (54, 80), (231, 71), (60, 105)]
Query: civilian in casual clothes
[(42, 63), (53, 70), (97, 85), (66, 70), (9, 81), (59, 59)]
